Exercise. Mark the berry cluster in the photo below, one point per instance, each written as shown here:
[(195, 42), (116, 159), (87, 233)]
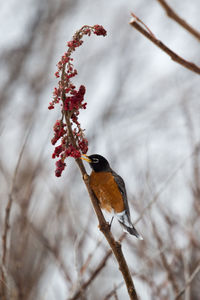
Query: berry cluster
[(73, 142)]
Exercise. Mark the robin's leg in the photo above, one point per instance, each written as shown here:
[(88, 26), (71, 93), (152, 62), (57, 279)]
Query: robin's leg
[(111, 222)]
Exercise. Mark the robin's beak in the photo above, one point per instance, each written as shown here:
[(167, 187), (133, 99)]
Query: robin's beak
[(86, 158)]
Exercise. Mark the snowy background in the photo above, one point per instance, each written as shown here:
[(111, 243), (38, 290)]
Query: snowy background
[(143, 115)]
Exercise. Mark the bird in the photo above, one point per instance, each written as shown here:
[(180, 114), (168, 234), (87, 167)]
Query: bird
[(109, 188)]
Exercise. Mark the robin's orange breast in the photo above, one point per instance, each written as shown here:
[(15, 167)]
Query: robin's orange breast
[(107, 192)]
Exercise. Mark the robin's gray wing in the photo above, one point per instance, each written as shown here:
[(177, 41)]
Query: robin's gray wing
[(124, 216), (122, 188)]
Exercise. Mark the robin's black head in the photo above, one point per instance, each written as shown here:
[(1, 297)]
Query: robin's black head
[(97, 162)]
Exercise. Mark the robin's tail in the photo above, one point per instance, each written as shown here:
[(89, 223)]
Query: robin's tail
[(124, 219)]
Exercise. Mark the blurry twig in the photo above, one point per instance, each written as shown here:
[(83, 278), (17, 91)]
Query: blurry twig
[(147, 33), (93, 276), (162, 189), (186, 276), (188, 282), (113, 292), (170, 275), (9, 206), (195, 145), (78, 249), (156, 289), (52, 250), (89, 258), (173, 15)]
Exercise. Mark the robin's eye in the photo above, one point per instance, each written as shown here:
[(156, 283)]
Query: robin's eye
[(95, 160)]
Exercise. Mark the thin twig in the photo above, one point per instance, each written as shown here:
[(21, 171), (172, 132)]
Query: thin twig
[(162, 189), (115, 293), (78, 245), (93, 276), (112, 293), (8, 209), (52, 250), (175, 57), (186, 276), (189, 281), (173, 15), (170, 276), (89, 258)]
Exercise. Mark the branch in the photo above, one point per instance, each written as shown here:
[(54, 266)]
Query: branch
[(93, 276), (173, 15), (164, 186), (170, 276), (188, 282), (52, 250), (103, 225), (112, 293), (89, 258), (175, 57), (7, 215)]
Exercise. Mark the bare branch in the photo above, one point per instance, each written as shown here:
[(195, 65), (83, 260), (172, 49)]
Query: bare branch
[(173, 15), (167, 267), (191, 278), (7, 214), (89, 258), (93, 276), (175, 57), (166, 183), (52, 250), (112, 293)]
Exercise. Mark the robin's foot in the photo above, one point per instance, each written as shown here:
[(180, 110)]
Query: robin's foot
[(111, 223)]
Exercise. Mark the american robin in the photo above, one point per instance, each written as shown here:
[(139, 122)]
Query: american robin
[(109, 188)]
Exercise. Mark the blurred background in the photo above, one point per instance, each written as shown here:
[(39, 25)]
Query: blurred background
[(143, 115)]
